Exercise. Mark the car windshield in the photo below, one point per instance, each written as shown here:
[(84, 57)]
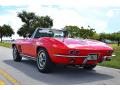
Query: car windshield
[(58, 33), (49, 33)]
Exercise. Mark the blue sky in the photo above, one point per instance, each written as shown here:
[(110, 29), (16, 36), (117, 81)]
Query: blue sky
[(5, 9), (102, 15)]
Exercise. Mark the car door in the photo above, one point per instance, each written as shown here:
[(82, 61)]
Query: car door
[(31, 47), (24, 46)]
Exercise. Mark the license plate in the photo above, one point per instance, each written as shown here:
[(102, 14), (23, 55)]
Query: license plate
[(92, 57)]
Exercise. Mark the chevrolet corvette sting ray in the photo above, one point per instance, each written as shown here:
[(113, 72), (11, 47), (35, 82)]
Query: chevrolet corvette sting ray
[(50, 46)]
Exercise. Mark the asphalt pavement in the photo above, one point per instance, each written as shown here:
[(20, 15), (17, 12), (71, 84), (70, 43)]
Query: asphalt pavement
[(26, 73)]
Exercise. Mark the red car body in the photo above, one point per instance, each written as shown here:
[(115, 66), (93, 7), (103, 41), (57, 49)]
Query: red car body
[(63, 50)]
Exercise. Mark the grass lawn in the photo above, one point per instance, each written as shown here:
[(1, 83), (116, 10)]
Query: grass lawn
[(115, 62), (5, 44)]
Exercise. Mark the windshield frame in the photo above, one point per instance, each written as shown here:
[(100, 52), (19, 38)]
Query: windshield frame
[(48, 30)]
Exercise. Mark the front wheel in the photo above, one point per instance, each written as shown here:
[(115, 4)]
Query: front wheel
[(16, 55), (44, 63), (89, 67)]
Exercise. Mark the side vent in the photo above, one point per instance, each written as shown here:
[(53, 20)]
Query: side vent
[(19, 48)]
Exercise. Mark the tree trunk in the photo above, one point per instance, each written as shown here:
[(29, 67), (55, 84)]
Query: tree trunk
[(1, 37)]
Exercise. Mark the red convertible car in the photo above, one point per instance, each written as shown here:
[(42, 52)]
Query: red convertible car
[(49, 47)]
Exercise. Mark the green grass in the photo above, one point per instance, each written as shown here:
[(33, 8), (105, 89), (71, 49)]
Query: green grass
[(5, 44), (115, 62)]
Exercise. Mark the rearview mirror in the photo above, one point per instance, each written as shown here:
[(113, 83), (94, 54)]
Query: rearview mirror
[(28, 35), (65, 33)]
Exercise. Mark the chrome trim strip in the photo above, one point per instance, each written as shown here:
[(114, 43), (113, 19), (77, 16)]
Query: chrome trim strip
[(85, 61), (58, 55), (28, 56)]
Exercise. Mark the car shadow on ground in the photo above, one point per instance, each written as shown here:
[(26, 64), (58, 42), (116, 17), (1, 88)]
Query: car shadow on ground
[(60, 76)]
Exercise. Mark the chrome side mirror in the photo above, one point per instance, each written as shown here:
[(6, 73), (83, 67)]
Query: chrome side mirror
[(28, 35)]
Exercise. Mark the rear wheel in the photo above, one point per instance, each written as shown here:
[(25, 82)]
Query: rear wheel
[(89, 67), (16, 55), (44, 63)]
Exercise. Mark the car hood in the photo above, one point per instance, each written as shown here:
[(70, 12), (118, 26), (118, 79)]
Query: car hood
[(83, 43)]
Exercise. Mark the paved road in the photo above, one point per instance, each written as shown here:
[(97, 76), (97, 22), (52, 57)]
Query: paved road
[(25, 72)]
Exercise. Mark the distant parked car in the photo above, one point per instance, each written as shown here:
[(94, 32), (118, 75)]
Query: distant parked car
[(49, 47), (107, 41)]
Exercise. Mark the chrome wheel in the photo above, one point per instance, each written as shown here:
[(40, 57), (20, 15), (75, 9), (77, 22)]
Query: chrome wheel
[(41, 59), (44, 63), (14, 53)]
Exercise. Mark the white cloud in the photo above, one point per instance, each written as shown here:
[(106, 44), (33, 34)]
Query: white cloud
[(66, 17), (74, 3), (110, 13), (12, 20), (63, 16), (13, 2), (101, 26)]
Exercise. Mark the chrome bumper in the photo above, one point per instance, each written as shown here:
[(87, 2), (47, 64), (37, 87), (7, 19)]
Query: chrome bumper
[(105, 58), (108, 58), (58, 55)]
